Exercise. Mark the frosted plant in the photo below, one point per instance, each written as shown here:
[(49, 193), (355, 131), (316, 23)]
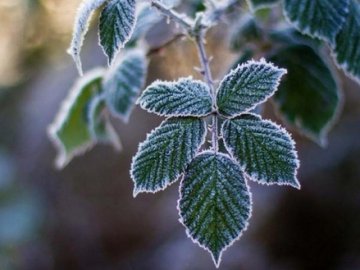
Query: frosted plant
[(215, 200)]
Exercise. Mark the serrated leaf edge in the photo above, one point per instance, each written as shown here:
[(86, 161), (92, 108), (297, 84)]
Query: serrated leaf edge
[(172, 83), (110, 62), (267, 97), (136, 190), (307, 31), (253, 177), (62, 158), (216, 262)]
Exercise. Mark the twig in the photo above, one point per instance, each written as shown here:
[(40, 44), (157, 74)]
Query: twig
[(197, 30), (156, 50), (181, 19), (199, 40)]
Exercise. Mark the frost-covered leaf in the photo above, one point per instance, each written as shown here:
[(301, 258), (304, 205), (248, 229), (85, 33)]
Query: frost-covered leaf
[(247, 86), (259, 4), (319, 18), (69, 131), (215, 202), (185, 97), (81, 27), (347, 45), (246, 31), (265, 151), (166, 153), (117, 22), (124, 82), (99, 124), (308, 97)]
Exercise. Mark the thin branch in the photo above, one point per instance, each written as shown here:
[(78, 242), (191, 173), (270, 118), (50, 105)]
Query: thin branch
[(158, 49), (181, 19), (197, 30), (205, 64)]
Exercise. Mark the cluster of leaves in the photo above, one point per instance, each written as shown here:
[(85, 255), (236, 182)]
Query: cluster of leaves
[(215, 201), (83, 119), (310, 96)]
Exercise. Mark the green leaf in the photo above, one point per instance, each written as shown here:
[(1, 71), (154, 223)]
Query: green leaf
[(347, 45), (185, 97), (309, 96), (166, 152), (124, 82), (264, 150), (259, 4), (247, 86), (319, 18), (245, 32), (69, 131), (99, 124), (81, 27), (117, 22), (215, 202)]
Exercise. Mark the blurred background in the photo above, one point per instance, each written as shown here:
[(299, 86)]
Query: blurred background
[(84, 217)]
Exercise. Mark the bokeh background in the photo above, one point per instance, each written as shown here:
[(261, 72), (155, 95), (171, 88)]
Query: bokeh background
[(84, 217)]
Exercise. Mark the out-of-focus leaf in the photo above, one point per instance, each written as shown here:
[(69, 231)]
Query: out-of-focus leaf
[(308, 97), (99, 124), (81, 27), (166, 153), (69, 131), (319, 18), (215, 202), (124, 82), (347, 45), (245, 32), (265, 151), (259, 4)]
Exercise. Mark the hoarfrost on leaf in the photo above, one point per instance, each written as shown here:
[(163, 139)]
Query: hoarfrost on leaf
[(123, 83), (81, 26), (319, 18), (215, 202), (99, 124), (347, 48), (70, 131), (247, 86), (166, 153), (264, 150), (185, 97), (117, 22)]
